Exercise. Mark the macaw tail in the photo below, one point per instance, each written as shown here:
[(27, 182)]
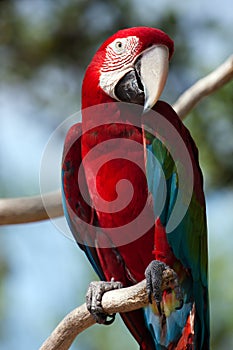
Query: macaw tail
[(168, 334), (175, 332), (186, 341)]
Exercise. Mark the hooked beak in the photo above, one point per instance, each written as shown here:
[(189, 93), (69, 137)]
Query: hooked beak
[(153, 72), (145, 82)]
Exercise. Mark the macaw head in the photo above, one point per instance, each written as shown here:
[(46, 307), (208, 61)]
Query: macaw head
[(130, 66)]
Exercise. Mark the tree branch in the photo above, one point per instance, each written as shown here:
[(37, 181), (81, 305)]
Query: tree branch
[(22, 210), (204, 87), (120, 300), (30, 209)]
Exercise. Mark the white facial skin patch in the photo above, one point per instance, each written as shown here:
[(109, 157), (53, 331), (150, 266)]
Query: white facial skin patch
[(119, 60)]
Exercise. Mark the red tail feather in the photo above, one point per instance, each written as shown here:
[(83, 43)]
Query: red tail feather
[(186, 341)]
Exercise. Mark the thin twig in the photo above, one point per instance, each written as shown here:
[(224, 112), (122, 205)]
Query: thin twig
[(120, 300), (21, 210)]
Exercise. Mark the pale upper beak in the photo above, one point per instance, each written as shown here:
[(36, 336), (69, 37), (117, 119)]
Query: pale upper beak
[(154, 64)]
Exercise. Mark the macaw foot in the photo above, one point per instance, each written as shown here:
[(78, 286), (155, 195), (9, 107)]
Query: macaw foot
[(94, 297), (160, 278)]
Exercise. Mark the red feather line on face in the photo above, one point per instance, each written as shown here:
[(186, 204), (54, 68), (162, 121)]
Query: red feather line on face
[(116, 58)]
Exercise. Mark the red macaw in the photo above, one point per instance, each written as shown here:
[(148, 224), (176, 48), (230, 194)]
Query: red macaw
[(117, 143)]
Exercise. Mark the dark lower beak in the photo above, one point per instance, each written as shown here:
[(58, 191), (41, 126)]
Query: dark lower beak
[(129, 88)]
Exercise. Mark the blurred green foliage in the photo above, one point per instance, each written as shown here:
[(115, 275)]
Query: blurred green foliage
[(38, 37)]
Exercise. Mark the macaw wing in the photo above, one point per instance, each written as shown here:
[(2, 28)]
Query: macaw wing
[(79, 214), (188, 237)]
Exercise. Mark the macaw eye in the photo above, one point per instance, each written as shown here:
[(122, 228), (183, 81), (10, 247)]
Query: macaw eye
[(119, 46)]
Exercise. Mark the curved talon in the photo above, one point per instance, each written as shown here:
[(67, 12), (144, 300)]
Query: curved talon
[(181, 304), (112, 319), (102, 318), (159, 308)]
